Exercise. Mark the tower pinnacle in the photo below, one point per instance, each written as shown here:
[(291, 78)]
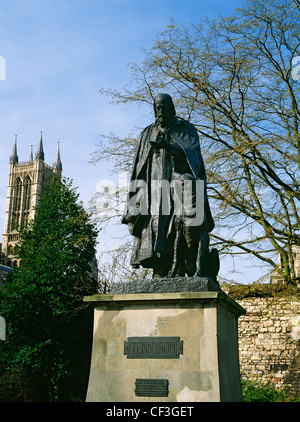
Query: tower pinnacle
[(40, 151), (57, 163), (31, 154), (14, 156)]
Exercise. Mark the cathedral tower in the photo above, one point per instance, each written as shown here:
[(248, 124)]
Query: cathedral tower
[(25, 184)]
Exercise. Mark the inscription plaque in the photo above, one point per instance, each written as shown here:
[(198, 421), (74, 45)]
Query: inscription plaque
[(153, 347), (151, 387)]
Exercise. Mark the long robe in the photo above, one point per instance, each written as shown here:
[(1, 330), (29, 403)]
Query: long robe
[(152, 231)]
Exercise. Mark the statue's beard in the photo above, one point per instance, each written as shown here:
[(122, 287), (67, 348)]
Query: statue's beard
[(164, 121)]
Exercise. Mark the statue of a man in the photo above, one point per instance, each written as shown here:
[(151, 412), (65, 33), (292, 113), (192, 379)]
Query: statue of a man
[(168, 151)]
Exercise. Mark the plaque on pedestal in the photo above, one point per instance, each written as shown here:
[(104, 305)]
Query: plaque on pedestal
[(179, 346)]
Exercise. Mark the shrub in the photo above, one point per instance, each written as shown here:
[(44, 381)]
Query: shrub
[(254, 391)]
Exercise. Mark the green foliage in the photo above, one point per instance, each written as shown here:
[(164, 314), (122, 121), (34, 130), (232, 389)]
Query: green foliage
[(254, 391), (42, 298)]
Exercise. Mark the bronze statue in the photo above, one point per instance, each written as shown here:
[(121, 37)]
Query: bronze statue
[(167, 169)]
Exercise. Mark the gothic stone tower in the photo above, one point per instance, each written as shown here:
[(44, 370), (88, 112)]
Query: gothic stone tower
[(25, 183)]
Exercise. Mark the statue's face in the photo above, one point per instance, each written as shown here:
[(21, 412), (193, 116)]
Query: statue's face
[(163, 111)]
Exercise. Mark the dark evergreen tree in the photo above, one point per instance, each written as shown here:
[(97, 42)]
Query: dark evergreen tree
[(42, 303)]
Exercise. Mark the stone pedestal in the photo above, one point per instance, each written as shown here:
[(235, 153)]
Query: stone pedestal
[(165, 346)]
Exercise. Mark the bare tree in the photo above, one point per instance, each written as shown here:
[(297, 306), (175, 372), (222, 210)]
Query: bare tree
[(114, 267), (235, 79)]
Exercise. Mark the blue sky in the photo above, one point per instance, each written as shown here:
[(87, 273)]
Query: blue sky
[(58, 54)]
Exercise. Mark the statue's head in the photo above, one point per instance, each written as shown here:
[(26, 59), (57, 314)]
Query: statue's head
[(164, 109)]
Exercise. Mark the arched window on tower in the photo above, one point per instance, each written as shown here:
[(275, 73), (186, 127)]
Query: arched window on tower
[(17, 204), (27, 196)]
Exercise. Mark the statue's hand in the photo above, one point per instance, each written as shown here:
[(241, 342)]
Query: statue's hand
[(160, 143), (156, 145)]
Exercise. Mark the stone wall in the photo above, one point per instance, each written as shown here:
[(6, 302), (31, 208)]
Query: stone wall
[(269, 341), (22, 386)]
